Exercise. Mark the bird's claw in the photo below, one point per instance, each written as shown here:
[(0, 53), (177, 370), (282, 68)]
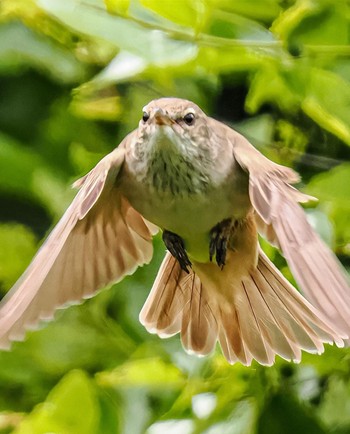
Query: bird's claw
[(219, 237), (175, 244)]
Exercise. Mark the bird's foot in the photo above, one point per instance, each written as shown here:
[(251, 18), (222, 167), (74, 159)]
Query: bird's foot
[(219, 237), (176, 247)]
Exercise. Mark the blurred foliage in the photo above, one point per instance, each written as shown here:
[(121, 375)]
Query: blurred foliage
[(75, 75)]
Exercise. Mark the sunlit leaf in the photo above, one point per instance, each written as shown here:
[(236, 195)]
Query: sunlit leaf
[(147, 372), (105, 108), (260, 10), (187, 13), (70, 408), (327, 101), (321, 94), (270, 85), (334, 361), (302, 22), (152, 45), (232, 26), (119, 7)]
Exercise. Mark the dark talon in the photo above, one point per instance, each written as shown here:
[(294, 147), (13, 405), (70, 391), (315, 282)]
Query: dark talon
[(219, 237), (176, 247)]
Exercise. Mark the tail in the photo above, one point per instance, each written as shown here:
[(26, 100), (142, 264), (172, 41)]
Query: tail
[(254, 314)]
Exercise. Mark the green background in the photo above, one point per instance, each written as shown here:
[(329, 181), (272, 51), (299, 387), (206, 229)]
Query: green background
[(74, 76)]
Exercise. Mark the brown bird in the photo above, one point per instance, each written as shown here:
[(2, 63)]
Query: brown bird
[(211, 192)]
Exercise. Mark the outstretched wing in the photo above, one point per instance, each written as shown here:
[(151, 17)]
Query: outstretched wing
[(99, 239), (281, 218)]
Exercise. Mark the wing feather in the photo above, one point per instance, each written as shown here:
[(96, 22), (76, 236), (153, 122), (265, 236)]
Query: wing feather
[(280, 217), (99, 239)]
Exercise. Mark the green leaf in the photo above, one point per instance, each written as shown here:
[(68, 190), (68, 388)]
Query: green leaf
[(334, 410), (223, 59), (17, 164), (283, 414), (20, 47), (322, 95), (259, 10), (271, 85), (334, 361), (314, 22), (25, 172), (18, 246), (110, 413), (187, 13), (231, 26), (119, 7), (153, 46), (143, 373), (70, 408), (333, 190), (257, 129), (327, 102), (332, 186)]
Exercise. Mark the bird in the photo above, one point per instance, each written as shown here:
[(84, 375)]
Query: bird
[(211, 193)]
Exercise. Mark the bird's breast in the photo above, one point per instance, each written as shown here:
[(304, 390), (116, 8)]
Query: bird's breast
[(176, 176), (184, 197)]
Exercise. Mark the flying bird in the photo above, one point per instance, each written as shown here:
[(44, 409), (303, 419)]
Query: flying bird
[(211, 193)]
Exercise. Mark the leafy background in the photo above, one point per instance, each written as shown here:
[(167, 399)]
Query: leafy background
[(74, 77)]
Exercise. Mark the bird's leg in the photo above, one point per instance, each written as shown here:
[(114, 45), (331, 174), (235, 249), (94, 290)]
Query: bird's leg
[(219, 237), (176, 247)]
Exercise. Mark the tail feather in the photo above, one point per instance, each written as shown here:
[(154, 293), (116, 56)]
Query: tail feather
[(253, 313), (249, 323), (290, 316), (230, 338), (199, 327), (273, 330), (310, 320), (162, 312)]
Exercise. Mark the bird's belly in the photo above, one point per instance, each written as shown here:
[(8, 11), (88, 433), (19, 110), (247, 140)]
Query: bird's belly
[(190, 216)]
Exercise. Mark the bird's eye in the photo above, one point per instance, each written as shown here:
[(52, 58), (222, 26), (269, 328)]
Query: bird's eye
[(145, 116), (189, 118)]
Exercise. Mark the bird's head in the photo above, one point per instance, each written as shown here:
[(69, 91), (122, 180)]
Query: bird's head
[(174, 124)]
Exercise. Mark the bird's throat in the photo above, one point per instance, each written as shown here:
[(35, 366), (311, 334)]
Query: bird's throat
[(170, 171), (172, 164)]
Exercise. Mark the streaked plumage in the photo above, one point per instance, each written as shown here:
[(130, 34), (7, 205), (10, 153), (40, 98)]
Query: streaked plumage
[(186, 179)]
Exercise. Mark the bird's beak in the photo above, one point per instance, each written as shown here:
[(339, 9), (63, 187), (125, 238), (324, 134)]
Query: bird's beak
[(161, 118)]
